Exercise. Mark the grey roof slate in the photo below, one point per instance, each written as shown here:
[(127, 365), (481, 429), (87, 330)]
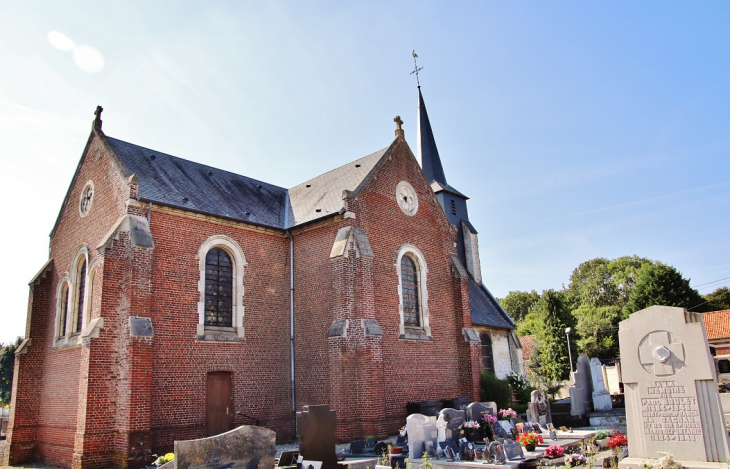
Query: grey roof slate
[(485, 310), (175, 182), (324, 192), (430, 159)]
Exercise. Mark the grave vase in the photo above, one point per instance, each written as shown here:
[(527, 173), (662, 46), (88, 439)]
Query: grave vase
[(530, 447)]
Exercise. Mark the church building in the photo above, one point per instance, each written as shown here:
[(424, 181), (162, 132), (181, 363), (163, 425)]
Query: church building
[(180, 300)]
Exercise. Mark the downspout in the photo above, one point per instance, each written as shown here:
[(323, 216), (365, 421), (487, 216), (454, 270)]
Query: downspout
[(291, 321)]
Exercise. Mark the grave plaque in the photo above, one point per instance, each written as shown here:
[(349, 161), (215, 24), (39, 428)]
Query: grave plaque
[(513, 450), (672, 402), (316, 426)]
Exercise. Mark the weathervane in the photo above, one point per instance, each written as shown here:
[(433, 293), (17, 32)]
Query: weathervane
[(416, 69)]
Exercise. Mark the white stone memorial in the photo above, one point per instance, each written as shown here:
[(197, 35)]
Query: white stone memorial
[(420, 428), (601, 396), (672, 402)]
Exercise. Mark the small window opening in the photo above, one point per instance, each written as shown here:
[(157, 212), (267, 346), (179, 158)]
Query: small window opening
[(453, 207)]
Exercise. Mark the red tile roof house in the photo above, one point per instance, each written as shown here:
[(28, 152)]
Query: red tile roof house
[(717, 326)]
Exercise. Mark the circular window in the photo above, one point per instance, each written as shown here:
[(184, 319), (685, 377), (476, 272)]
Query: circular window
[(407, 198), (87, 197)]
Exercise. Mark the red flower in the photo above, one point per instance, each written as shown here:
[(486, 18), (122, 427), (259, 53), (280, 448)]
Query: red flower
[(617, 440)]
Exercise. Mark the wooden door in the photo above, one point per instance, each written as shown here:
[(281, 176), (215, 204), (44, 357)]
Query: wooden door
[(219, 409)]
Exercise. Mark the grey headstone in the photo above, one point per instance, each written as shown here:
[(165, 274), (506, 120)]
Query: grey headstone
[(140, 327), (539, 407), (246, 447), (451, 422), (316, 426), (601, 396)]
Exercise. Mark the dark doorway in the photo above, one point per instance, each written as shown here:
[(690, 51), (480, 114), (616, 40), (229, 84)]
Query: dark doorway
[(219, 403)]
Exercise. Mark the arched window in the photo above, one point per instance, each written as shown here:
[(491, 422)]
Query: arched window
[(220, 307), (218, 288), (409, 280), (487, 356), (413, 294), (62, 309), (80, 292)]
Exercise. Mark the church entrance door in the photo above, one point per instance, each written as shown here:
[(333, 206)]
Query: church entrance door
[(219, 409)]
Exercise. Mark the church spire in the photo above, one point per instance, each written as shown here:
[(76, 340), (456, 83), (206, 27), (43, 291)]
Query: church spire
[(428, 154)]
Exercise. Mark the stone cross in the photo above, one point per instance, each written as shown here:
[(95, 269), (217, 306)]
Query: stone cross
[(657, 351), (97, 120), (672, 402), (316, 426), (399, 132)]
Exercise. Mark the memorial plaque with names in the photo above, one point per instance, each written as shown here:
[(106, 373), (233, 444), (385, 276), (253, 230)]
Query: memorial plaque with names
[(513, 450), (672, 402)]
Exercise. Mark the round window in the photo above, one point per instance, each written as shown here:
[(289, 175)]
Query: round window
[(407, 198), (87, 197)]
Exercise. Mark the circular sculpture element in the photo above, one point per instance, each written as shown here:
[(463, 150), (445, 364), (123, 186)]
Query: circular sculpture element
[(407, 198), (87, 197), (661, 353)]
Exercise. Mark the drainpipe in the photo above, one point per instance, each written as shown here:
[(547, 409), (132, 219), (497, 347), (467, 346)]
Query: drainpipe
[(291, 320)]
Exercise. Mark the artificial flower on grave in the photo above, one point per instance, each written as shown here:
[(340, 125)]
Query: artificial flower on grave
[(665, 461), (506, 414), (554, 451), (575, 459), (470, 424), (489, 418), (403, 431), (529, 438), (618, 440)]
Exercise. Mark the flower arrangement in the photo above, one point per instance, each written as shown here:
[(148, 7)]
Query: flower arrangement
[(506, 414), (489, 418), (666, 461), (530, 438), (471, 424), (601, 435), (617, 440), (164, 459), (554, 451), (575, 459)]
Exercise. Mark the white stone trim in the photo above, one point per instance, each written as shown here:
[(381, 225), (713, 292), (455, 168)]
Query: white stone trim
[(89, 183), (407, 198), (422, 270), (239, 262)]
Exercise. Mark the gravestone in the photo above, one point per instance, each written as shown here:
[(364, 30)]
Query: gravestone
[(601, 396), (475, 411), (670, 385), (246, 447), (580, 392), (420, 429), (449, 424), (316, 426), (539, 408)]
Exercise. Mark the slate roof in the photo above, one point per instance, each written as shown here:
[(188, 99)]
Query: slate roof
[(175, 182), (324, 192), (717, 324), (485, 310), (427, 151)]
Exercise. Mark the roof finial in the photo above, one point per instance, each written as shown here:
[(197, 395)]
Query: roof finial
[(399, 131), (416, 69), (97, 121)]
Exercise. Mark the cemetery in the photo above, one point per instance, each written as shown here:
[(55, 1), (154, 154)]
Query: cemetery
[(673, 418)]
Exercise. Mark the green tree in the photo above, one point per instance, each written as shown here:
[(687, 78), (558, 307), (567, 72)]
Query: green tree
[(554, 347), (602, 282), (7, 364), (661, 284), (597, 330), (718, 300), (518, 303)]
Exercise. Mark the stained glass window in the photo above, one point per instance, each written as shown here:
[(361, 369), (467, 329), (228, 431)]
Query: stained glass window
[(218, 288), (80, 303), (409, 282)]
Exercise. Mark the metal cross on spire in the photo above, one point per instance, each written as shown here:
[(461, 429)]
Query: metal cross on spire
[(416, 69)]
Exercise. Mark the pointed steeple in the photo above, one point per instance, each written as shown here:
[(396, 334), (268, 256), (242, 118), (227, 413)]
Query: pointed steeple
[(428, 154)]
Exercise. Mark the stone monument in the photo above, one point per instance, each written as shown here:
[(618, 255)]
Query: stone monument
[(449, 424), (539, 408), (246, 447), (601, 396), (420, 429), (581, 401), (670, 385), (316, 427)]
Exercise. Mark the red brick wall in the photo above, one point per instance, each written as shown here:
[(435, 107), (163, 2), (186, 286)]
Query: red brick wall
[(259, 366)]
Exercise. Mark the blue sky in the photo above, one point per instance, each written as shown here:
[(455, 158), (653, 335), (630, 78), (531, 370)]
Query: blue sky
[(578, 129)]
